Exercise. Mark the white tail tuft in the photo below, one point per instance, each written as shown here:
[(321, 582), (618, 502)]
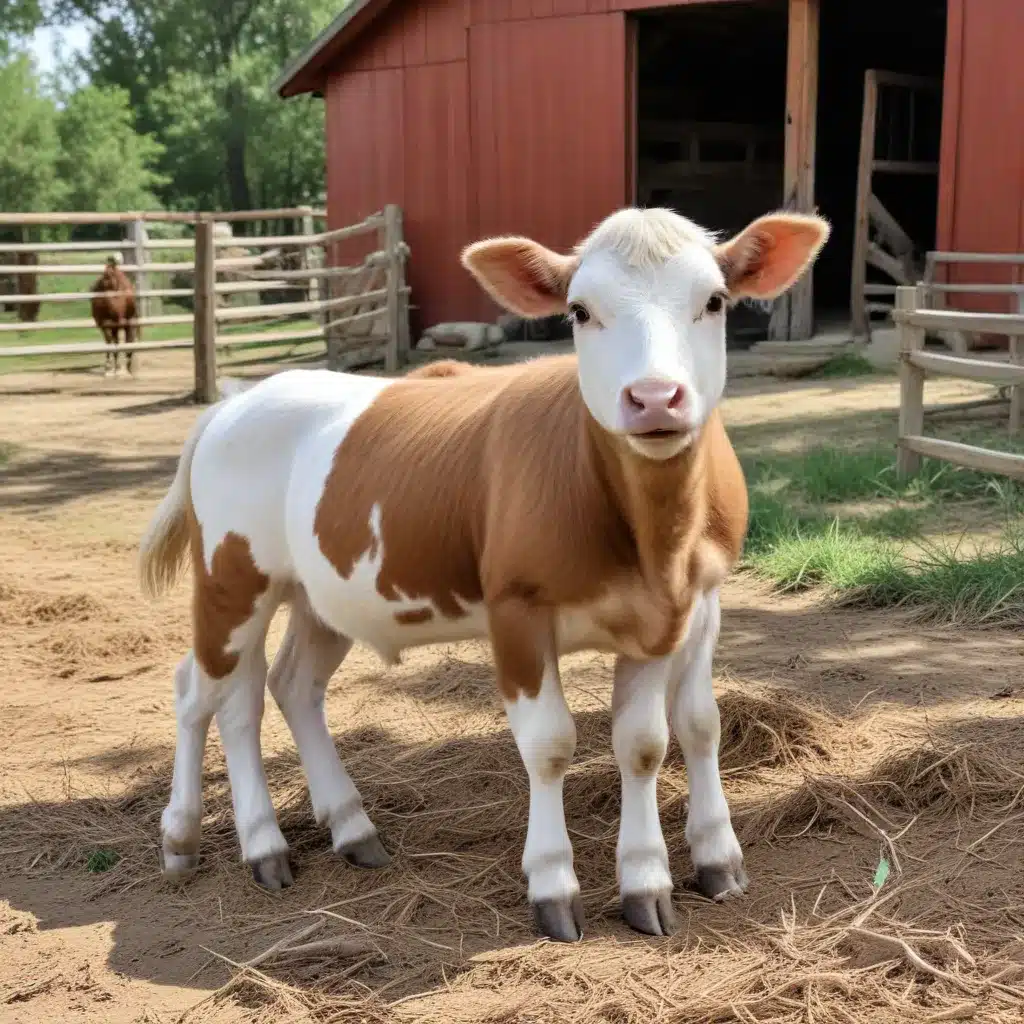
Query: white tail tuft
[(164, 543)]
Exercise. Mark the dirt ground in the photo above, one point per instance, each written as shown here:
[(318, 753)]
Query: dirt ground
[(847, 736)]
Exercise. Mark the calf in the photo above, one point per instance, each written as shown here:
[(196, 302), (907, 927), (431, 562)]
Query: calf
[(590, 501), (113, 310)]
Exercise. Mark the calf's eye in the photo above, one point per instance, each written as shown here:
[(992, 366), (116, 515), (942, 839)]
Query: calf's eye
[(714, 305), (579, 314)]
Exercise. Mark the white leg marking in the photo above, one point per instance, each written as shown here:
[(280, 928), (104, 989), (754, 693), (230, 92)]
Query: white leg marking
[(640, 739), (546, 737), (194, 706), (239, 718), (308, 657), (713, 845)]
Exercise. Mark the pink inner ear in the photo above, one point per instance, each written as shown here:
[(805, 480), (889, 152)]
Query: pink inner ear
[(521, 275), (769, 256)]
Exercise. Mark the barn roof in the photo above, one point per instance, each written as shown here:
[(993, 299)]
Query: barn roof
[(306, 72)]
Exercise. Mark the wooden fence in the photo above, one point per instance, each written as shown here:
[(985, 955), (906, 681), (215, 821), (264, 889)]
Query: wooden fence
[(937, 292), (360, 311), (915, 321)]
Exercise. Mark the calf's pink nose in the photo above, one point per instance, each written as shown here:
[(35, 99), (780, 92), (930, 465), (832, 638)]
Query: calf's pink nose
[(654, 395), (653, 404)]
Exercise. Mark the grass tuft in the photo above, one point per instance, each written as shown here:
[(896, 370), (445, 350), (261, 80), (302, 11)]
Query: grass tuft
[(846, 364), (99, 861)]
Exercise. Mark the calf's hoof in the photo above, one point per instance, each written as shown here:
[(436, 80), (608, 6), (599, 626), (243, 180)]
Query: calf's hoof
[(650, 912), (366, 853), (179, 867), (720, 882), (560, 919), (273, 872)]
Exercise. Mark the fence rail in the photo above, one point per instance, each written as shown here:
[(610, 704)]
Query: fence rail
[(359, 308), (959, 334), (914, 321)]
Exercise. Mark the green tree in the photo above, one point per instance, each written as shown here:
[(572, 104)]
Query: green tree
[(198, 77), (28, 128), (19, 18), (105, 164)]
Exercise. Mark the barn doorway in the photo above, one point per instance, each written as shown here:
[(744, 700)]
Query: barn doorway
[(710, 88), (896, 40), (710, 111)]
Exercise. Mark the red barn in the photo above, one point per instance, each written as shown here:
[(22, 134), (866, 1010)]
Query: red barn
[(541, 116)]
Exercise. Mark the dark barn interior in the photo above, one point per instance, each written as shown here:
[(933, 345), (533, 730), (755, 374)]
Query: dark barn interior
[(907, 37), (711, 108), (711, 102)]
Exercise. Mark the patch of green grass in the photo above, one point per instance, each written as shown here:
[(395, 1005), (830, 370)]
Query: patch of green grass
[(99, 861), (801, 536), (846, 364)]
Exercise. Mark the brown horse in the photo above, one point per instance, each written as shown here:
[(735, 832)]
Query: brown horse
[(113, 309)]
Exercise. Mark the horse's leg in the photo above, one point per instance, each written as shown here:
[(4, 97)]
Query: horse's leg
[(308, 657), (130, 334), (110, 339)]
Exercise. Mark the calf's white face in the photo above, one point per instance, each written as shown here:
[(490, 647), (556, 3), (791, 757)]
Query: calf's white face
[(647, 294)]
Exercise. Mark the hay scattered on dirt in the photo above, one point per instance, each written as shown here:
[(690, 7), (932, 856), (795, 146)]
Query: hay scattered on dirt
[(444, 934)]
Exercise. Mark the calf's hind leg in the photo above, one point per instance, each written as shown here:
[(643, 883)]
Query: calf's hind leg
[(225, 677), (309, 655)]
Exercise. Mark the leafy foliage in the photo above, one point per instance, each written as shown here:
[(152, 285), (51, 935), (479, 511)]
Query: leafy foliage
[(28, 127), (106, 163), (198, 79)]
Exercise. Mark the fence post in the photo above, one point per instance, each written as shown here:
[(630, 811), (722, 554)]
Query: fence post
[(391, 241), (911, 421), (205, 323), (143, 307), (311, 260)]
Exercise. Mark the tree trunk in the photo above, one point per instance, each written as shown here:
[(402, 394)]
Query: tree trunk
[(238, 181)]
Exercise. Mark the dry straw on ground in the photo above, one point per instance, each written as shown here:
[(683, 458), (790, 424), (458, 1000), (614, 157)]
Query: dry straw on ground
[(444, 935)]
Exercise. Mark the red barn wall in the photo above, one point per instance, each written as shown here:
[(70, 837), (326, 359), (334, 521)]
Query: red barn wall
[(476, 120), (981, 183)]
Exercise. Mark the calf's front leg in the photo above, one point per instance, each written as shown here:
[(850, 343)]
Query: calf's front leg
[(640, 740), (527, 667), (714, 849)]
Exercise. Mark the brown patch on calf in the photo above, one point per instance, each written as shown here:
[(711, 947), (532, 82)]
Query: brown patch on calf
[(442, 368), (223, 598), (496, 485), (414, 616), (646, 759)]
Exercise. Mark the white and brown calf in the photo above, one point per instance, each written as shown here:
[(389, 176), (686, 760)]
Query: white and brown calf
[(582, 502)]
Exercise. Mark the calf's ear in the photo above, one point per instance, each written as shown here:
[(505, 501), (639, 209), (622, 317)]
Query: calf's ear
[(771, 253), (521, 275)]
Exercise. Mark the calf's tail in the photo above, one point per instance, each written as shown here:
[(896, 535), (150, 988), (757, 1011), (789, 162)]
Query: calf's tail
[(165, 541)]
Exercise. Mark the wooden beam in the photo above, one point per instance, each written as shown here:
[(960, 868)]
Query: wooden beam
[(801, 137), (880, 259), (982, 460), (890, 228), (911, 419), (858, 277), (205, 324)]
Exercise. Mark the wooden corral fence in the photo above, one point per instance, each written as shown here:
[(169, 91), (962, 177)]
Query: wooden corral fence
[(937, 289), (360, 311), (915, 321)]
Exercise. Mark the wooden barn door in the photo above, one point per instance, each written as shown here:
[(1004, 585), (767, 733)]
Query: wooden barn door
[(548, 114)]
